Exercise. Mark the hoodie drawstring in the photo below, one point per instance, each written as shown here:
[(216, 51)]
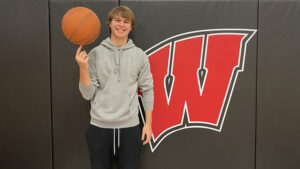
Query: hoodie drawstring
[(117, 63)]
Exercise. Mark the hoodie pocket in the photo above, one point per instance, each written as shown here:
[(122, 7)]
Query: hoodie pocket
[(113, 107)]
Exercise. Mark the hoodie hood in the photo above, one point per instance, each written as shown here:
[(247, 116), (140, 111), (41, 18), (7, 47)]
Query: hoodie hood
[(110, 45)]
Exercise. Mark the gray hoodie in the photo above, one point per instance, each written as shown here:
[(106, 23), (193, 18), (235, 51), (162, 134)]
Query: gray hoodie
[(116, 74)]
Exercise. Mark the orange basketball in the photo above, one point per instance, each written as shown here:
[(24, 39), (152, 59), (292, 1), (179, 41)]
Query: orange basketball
[(81, 25)]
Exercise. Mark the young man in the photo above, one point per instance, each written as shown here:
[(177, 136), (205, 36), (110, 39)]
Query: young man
[(110, 76)]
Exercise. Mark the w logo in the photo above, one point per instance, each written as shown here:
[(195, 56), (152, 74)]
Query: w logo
[(194, 76)]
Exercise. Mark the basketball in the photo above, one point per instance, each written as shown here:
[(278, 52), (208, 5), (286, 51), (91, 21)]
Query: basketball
[(81, 25)]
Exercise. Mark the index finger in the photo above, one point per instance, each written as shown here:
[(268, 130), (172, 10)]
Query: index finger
[(78, 50), (148, 138)]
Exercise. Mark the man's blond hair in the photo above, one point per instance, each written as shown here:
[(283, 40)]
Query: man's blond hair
[(121, 11)]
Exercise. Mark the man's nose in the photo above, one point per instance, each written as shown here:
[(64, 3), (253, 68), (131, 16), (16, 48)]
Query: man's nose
[(121, 23)]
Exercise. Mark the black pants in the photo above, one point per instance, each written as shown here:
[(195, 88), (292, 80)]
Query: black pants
[(122, 145)]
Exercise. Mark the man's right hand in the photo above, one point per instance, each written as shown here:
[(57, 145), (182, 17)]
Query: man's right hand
[(82, 58)]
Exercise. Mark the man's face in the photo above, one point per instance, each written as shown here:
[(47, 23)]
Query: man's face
[(120, 27)]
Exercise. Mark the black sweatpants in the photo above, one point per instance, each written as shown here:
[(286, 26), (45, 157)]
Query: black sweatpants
[(122, 145)]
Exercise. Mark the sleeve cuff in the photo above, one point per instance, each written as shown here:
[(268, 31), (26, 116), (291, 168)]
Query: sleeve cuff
[(86, 91), (148, 106)]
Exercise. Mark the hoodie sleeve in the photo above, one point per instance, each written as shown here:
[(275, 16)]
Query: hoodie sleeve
[(88, 92), (145, 83)]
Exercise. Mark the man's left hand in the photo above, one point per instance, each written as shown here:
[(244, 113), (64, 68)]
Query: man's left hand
[(146, 134)]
